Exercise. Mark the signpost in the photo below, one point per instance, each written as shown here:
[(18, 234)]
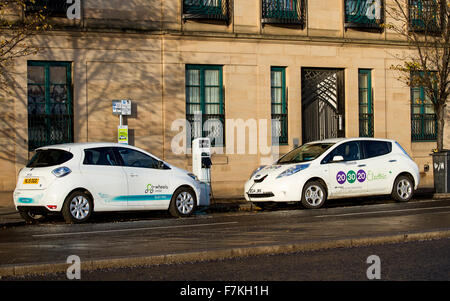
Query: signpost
[(121, 108)]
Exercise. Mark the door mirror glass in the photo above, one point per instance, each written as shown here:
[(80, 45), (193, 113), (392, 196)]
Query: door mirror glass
[(161, 165), (338, 158)]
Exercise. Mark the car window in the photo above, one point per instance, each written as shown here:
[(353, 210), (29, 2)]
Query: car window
[(350, 151), (49, 157), (377, 148), (133, 158), (99, 156)]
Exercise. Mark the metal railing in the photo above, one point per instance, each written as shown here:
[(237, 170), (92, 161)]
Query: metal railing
[(206, 9), (423, 127), (53, 8), (364, 13), (49, 129), (283, 11)]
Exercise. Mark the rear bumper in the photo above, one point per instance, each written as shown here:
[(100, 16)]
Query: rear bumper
[(34, 209), (37, 198)]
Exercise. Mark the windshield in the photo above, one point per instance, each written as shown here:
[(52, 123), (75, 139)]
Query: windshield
[(304, 153), (49, 157)]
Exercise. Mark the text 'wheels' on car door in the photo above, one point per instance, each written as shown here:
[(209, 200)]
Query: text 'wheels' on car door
[(106, 178), (148, 181), (347, 170)]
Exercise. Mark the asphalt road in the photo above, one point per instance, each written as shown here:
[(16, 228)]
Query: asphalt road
[(414, 261), (204, 234)]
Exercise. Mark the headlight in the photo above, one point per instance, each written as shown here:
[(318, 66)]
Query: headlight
[(193, 176), (293, 170), (256, 170), (61, 171)]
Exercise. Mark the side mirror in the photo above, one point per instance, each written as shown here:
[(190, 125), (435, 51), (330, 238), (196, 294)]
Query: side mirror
[(161, 165), (337, 159)]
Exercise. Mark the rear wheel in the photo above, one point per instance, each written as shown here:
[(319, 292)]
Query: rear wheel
[(78, 207), (32, 217), (314, 195), (183, 202), (403, 189)]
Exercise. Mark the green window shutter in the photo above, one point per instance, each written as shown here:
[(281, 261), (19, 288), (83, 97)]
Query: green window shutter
[(365, 99), (279, 103), (50, 105), (205, 109)]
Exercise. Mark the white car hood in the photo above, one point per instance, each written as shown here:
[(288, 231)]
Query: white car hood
[(272, 171)]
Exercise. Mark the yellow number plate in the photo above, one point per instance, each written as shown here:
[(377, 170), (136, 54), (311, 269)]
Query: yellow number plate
[(31, 181)]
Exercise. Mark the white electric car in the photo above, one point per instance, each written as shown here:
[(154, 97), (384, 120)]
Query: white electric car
[(335, 168), (79, 178)]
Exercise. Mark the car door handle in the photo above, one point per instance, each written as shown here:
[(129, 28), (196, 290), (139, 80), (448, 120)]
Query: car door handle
[(361, 165), (133, 175), (393, 160)]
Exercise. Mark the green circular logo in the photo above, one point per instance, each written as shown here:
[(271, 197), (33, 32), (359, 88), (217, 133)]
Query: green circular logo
[(351, 176)]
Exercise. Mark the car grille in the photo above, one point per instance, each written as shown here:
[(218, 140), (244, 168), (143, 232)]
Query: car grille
[(260, 195)]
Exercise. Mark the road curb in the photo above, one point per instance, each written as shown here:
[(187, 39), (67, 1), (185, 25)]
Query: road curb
[(50, 268)]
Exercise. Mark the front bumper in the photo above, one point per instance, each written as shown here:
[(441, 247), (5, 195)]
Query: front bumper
[(272, 191)]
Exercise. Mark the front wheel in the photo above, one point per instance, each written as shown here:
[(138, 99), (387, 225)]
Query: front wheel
[(314, 195), (183, 202), (403, 189)]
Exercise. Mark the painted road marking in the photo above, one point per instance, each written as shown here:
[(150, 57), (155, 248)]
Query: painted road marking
[(132, 229), (382, 211)]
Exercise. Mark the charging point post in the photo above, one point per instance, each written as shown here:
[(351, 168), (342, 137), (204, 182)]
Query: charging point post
[(201, 166)]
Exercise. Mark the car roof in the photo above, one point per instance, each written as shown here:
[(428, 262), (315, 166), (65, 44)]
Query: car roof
[(338, 140), (82, 145)]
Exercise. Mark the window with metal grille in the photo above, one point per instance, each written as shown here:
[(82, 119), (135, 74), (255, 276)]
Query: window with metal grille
[(205, 110), (425, 15), (364, 13), (365, 103), (283, 12), (52, 8), (50, 111), (206, 9), (279, 103), (423, 116)]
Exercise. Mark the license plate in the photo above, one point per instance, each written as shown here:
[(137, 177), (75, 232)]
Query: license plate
[(31, 181), (255, 191)]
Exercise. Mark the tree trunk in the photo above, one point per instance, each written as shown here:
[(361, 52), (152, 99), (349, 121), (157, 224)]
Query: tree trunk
[(440, 115)]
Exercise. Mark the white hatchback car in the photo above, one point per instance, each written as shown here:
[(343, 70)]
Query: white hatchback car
[(336, 168), (79, 178)]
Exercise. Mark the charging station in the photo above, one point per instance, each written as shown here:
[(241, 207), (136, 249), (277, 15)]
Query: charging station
[(201, 166)]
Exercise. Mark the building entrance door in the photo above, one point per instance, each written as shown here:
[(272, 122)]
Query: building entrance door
[(323, 104)]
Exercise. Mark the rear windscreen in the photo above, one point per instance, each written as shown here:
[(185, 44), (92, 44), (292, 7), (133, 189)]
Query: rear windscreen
[(49, 157)]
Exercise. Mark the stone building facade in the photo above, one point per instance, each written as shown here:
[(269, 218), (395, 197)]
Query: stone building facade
[(321, 68)]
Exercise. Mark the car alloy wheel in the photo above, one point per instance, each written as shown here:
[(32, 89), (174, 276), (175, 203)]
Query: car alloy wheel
[(314, 195), (79, 207), (403, 189), (183, 202)]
